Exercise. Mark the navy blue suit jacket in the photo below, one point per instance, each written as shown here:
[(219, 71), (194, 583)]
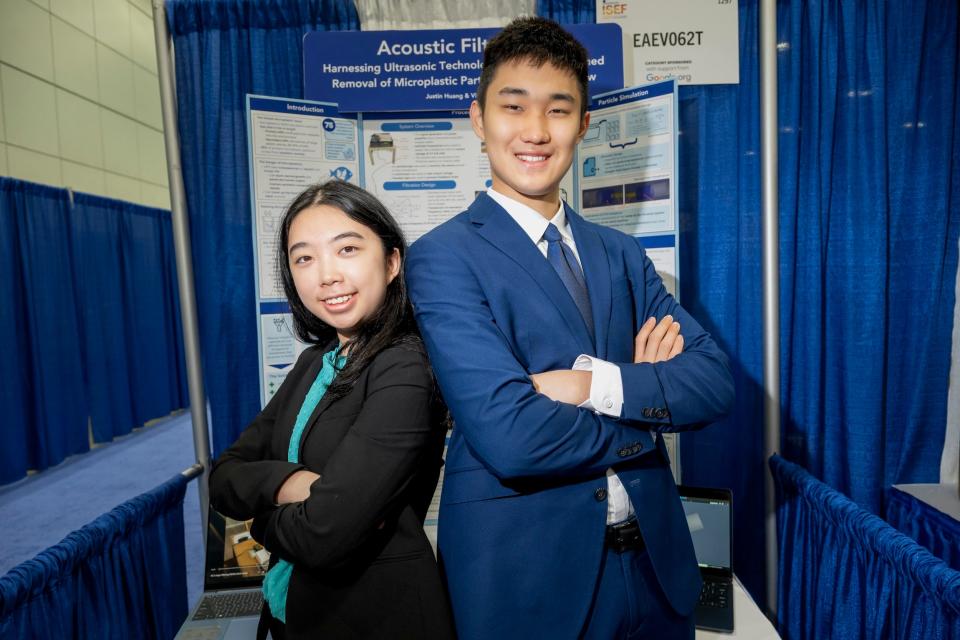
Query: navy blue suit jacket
[(523, 509)]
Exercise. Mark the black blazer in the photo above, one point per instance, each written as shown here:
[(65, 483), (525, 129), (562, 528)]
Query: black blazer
[(363, 567)]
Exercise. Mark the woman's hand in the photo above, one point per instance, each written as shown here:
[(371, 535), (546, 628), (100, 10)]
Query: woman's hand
[(657, 342), (563, 385), (296, 488)]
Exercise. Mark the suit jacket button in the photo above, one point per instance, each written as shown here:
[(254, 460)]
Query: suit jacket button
[(662, 413), (624, 452), (600, 494), (646, 412)]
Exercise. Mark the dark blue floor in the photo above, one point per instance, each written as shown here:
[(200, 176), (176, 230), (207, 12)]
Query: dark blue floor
[(49, 505)]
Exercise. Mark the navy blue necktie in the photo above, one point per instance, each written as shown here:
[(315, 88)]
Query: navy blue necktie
[(565, 264)]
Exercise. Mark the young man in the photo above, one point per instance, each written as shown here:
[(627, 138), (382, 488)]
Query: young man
[(559, 516)]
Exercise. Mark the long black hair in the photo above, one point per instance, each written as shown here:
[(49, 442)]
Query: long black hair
[(392, 323)]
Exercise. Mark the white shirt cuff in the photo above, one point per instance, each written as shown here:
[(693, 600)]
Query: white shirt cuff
[(606, 386)]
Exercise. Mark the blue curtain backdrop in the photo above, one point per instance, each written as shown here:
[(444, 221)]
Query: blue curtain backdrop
[(121, 576), (149, 273), (568, 11), (89, 323), (869, 107), (43, 387), (845, 573), (226, 49), (100, 290), (870, 218), (126, 282)]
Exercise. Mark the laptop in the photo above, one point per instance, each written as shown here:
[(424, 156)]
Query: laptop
[(235, 565), (709, 516)]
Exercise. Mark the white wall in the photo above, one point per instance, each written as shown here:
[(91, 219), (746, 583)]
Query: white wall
[(79, 97)]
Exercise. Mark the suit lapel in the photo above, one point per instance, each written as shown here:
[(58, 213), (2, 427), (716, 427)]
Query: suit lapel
[(596, 270), (497, 227)]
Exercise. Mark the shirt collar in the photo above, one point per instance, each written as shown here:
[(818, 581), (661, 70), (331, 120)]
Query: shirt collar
[(532, 223)]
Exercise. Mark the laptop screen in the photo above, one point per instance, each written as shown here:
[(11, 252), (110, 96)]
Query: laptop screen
[(708, 514), (233, 557)]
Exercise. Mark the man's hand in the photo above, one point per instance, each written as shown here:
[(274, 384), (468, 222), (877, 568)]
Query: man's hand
[(658, 342), (296, 488), (564, 385)]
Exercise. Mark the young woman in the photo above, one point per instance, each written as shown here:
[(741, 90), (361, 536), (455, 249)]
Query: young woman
[(339, 468)]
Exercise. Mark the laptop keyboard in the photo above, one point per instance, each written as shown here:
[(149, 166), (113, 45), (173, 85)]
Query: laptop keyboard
[(715, 594), (230, 605)]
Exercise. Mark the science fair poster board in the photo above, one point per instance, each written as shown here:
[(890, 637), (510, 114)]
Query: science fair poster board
[(692, 41)]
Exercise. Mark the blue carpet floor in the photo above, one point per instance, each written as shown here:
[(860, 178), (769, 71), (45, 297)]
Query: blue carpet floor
[(49, 505)]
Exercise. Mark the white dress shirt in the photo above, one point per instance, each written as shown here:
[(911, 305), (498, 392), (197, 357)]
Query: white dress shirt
[(606, 385)]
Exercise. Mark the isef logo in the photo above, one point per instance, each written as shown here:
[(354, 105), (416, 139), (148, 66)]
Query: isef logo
[(613, 9)]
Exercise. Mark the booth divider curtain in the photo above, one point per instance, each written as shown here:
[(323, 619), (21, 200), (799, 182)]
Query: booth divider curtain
[(930, 527), (89, 322), (845, 573), (133, 345), (568, 11), (870, 221), (121, 576), (42, 391), (225, 49)]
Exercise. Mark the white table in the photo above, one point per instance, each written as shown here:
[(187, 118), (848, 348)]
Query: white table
[(942, 497), (749, 623)]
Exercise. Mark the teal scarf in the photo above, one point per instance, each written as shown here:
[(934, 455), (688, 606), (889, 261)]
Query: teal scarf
[(277, 580)]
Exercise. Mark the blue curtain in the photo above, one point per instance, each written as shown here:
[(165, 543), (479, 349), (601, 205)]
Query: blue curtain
[(89, 322), (126, 283), (568, 11), (931, 528), (43, 387), (97, 247), (870, 220), (845, 573), (151, 315), (121, 576), (226, 49)]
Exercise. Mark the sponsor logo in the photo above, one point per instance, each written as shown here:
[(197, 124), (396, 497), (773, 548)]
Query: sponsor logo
[(681, 77), (613, 9)]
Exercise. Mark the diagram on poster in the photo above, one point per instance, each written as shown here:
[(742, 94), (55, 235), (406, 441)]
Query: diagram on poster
[(425, 169), (626, 163), (293, 144), (279, 346)]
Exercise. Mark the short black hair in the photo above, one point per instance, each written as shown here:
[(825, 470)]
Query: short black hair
[(537, 41), (393, 322)]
